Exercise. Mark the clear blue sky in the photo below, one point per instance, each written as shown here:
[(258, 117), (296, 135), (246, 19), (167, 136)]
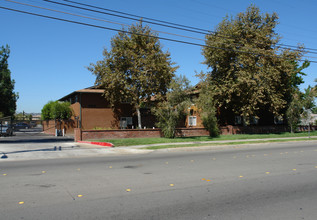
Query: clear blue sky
[(49, 58)]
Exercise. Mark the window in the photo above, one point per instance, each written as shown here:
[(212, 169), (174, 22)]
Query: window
[(192, 120), (278, 120), (254, 120), (238, 120), (125, 121)]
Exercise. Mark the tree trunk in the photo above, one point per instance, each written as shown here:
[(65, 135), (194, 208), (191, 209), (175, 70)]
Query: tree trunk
[(139, 117)]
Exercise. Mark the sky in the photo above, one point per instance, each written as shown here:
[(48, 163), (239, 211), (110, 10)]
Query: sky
[(49, 58)]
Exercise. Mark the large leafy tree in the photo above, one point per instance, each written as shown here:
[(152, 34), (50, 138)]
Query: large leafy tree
[(7, 96), (135, 69), (250, 74)]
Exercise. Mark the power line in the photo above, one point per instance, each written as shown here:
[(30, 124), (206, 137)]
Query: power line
[(122, 24), (128, 32), (125, 17), (137, 16), (103, 20), (161, 21)]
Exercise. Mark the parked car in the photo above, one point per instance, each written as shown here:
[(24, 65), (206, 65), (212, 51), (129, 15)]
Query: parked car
[(21, 125), (33, 124), (6, 130)]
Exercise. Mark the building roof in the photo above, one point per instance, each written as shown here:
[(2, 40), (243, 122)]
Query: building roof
[(92, 89)]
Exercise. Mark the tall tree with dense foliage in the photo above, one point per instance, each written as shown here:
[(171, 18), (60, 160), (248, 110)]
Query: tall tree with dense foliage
[(135, 69), (250, 74), (8, 97), (170, 111)]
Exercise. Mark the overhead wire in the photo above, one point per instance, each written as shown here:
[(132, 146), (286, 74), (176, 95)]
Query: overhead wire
[(137, 16), (125, 31), (98, 19), (125, 17), (161, 21)]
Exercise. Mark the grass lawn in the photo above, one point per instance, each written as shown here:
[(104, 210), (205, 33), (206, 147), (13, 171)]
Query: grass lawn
[(145, 141)]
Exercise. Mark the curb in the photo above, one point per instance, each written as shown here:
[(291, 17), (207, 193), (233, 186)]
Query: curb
[(105, 144)]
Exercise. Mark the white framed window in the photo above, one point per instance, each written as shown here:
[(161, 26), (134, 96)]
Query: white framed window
[(192, 120)]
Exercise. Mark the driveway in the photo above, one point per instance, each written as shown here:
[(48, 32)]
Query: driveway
[(32, 144)]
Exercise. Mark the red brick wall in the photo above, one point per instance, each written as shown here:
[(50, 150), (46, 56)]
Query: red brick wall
[(77, 134), (252, 129), (49, 126), (125, 133), (180, 132), (191, 132), (140, 133)]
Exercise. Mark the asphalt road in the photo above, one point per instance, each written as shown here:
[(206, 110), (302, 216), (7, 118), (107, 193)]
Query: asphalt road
[(271, 181)]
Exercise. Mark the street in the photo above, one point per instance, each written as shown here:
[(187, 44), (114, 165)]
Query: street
[(263, 181)]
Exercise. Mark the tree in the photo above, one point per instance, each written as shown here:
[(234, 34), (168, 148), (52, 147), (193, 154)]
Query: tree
[(314, 109), (207, 110), (8, 97), (56, 110), (251, 75), (170, 111), (294, 111), (309, 98), (135, 69), (46, 111), (300, 108)]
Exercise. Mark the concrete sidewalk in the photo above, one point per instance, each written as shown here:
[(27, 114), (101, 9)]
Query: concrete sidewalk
[(10, 151)]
